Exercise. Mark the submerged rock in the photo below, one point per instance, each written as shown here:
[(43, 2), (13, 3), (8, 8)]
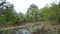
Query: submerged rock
[(23, 31)]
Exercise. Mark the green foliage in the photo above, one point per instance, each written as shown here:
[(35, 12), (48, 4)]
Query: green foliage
[(7, 15), (20, 18), (48, 13), (34, 14)]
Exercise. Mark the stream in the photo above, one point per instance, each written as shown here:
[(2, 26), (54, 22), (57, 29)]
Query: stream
[(18, 30)]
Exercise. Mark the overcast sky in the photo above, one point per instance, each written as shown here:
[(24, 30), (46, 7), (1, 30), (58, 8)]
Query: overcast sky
[(23, 5)]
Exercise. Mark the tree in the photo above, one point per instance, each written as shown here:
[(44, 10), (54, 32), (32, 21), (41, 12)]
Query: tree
[(7, 13), (51, 13), (20, 18), (32, 13)]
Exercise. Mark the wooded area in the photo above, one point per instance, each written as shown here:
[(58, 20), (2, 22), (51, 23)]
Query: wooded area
[(8, 15)]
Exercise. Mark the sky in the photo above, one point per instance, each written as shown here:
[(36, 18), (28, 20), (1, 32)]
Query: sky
[(23, 5)]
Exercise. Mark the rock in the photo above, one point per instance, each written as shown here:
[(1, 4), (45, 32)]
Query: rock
[(23, 31)]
